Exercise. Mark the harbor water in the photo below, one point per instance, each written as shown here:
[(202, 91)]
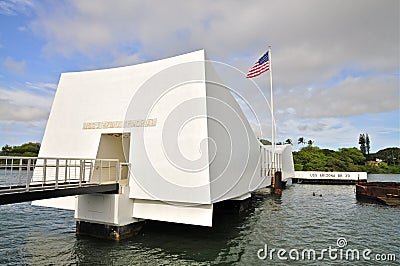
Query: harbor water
[(305, 219)]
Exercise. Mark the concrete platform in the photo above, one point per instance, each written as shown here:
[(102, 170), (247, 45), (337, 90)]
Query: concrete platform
[(105, 231)]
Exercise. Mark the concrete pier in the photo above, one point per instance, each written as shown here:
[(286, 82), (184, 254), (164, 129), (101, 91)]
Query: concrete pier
[(277, 183), (232, 206), (106, 216), (106, 231)]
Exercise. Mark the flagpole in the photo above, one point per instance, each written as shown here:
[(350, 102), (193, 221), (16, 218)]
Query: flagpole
[(272, 112)]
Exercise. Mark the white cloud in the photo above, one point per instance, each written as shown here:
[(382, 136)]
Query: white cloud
[(313, 41), (14, 66), (18, 132), (326, 130), (42, 86), (13, 112), (331, 59), (122, 59), (351, 96), (22, 105), (12, 7)]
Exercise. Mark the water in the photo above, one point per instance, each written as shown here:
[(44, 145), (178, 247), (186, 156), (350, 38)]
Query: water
[(10, 177), (383, 178), (298, 220)]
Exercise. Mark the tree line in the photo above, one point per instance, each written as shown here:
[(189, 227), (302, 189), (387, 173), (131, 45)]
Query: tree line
[(308, 158), (30, 149), (313, 158)]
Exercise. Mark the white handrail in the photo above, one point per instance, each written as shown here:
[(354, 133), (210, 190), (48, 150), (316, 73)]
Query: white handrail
[(266, 165), (34, 172)]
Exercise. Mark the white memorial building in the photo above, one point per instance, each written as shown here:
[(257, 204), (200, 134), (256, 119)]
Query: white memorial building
[(180, 137)]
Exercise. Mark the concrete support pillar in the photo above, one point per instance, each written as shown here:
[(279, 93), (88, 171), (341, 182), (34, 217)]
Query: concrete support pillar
[(277, 183), (236, 205), (106, 231), (107, 216)]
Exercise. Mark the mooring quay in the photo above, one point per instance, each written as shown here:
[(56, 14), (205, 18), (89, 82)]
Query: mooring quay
[(338, 178)]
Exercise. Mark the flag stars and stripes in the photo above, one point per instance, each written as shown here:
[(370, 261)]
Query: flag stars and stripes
[(259, 67)]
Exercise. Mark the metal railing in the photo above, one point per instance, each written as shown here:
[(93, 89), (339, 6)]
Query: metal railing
[(32, 173), (267, 167)]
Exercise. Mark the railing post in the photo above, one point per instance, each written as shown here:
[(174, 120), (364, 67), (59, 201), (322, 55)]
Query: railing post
[(28, 171), (75, 175), (66, 171), (118, 171), (20, 171), (84, 171), (57, 169), (11, 170), (10, 179), (5, 172), (44, 171), (109, 170), (101, 171), (261, 162), (128, 174), (90, 171), (80, 173)]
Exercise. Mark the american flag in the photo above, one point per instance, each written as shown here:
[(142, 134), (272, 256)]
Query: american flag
[(259, 67)]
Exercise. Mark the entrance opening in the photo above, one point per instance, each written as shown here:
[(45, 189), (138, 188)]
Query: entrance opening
[(112, 146)]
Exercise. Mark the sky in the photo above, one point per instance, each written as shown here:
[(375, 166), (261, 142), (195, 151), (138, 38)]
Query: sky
[(336, 64)]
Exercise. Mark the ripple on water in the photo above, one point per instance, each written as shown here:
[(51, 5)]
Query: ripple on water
[(297, 220)]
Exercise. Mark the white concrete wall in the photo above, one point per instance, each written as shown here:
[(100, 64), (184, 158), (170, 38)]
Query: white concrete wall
[(114, 209), (170, 160), (93, 96), (199, 149), (235, 154), (196, 214), (287, 165)]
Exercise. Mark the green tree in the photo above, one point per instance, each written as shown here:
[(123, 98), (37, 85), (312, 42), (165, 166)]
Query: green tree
[(354, 154), (317, 160), (265, 142), (335, 164), (389, 155), (289, 141), (361, 141), (310, 142), (301, 140), (5, 150), (312, 158), (367, 144)]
